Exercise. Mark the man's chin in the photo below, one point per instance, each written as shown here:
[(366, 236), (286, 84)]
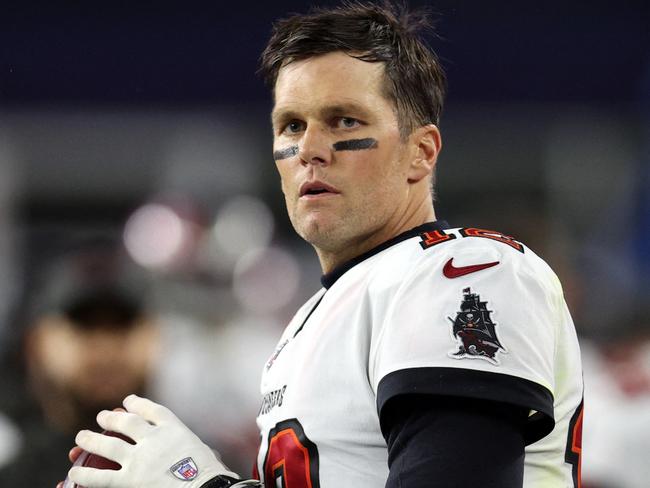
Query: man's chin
[(320, 231)]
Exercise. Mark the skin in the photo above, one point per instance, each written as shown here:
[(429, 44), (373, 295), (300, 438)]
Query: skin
[(378, 192)]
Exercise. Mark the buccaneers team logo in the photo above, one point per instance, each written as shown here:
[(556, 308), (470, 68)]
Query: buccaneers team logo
[(474, 330)]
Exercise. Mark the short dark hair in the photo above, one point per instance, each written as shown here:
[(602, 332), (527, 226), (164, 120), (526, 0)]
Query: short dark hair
[(414, 79)]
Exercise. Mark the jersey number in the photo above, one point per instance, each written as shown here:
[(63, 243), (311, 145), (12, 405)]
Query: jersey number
[(291, 459), (435, 237), (573, 452)]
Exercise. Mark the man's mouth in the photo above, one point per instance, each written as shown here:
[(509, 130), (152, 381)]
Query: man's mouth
[(316, 188)]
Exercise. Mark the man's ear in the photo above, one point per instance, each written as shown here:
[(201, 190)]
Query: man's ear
[(426, 143)]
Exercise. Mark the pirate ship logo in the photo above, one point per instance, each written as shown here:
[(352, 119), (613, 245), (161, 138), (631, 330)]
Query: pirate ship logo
[(474, 330)]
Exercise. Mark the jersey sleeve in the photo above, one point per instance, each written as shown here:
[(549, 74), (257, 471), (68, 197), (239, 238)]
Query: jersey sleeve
[(455, 326), (426, 436)]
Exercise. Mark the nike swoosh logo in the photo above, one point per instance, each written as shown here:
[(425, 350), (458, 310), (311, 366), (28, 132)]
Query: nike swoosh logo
[(451, 271)]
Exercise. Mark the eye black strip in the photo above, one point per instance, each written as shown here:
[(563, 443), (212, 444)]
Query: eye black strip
[(285, 153), (356, 144)]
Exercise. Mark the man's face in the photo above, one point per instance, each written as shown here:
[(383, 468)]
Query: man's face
[(337, 146)]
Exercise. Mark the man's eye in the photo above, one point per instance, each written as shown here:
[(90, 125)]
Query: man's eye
[(348, 123), (293, 127)]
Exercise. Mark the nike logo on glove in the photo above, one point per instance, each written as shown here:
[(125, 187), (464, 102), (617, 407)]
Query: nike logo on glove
[(451, 271)]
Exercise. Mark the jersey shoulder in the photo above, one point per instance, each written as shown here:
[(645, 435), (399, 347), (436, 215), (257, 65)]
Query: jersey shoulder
[(457, 252), (465, 249)]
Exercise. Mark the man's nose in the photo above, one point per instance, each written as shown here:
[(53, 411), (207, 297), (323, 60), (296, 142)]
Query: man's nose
[(315, 147)]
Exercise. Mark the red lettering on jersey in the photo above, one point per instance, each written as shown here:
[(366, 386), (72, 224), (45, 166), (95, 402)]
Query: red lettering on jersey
[(256, 472), (291, 457), (494, 235), (573, 452), (434, 237)]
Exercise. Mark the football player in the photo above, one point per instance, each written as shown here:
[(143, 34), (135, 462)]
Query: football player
[(431, 356)]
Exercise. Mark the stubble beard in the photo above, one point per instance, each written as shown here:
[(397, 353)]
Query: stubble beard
[(321, 235), (335, 235)]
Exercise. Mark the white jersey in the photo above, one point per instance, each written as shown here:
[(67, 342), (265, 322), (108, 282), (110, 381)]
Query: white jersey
[(462, 312)]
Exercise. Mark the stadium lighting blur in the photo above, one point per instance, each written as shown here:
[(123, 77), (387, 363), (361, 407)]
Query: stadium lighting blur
[(155, 235), (266, 280), (243, 224)]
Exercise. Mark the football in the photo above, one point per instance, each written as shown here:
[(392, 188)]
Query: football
[(95, 461)]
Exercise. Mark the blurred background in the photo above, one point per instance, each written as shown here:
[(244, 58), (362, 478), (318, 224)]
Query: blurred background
[(141, 216)]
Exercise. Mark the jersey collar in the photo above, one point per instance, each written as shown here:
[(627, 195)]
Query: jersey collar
[(327, 280)]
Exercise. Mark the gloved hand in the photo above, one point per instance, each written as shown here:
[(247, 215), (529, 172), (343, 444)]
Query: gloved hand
[(166, 454)]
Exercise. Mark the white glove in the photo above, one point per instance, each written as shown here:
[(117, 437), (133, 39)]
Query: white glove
[(166, 453)]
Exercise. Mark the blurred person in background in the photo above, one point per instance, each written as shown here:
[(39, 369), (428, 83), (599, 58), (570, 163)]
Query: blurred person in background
[(95, 332), (90, 340)]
